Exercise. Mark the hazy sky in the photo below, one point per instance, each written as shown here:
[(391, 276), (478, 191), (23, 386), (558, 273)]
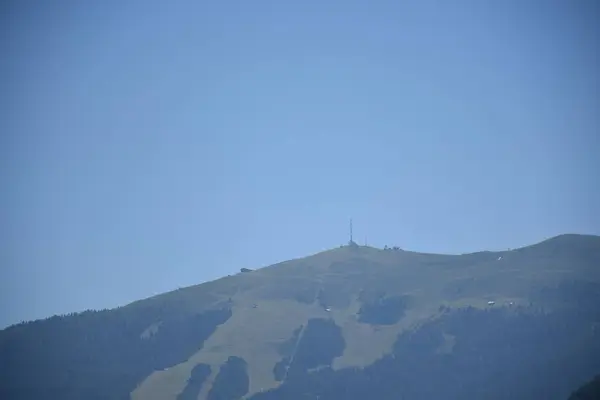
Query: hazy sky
[(147, 145)]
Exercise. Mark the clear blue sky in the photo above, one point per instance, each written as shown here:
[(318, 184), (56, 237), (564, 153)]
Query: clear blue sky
[(148, 145)]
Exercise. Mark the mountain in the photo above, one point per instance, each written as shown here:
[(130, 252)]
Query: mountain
[(589, 391), (353, 322)]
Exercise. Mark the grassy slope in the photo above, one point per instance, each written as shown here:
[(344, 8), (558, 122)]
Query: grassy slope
[(286, 296)]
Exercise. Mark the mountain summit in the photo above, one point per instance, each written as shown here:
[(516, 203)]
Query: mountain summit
[(353, 322)]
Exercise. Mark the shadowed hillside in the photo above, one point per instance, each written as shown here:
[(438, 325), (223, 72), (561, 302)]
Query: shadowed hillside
[(354, 322), (589, 391)]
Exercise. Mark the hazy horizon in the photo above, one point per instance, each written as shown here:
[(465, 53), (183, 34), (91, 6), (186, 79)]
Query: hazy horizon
[(149, 146)]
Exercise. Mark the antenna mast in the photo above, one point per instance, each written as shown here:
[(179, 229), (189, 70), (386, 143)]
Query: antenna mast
[(350, 230)]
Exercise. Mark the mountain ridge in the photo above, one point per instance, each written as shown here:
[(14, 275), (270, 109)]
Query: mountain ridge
[(552, 240), (330, 313)]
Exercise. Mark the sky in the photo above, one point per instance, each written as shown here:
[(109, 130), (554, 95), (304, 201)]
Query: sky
[(150, 145)]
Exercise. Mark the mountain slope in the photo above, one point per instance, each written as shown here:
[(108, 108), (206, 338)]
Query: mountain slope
[(334, 322), (589, 391)]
